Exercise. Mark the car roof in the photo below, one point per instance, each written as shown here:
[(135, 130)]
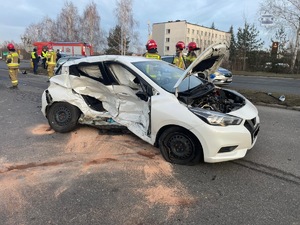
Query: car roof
[(91, 59)]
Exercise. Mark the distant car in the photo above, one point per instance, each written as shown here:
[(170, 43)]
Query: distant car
[(64, 59), (222, 76), (187, 117)]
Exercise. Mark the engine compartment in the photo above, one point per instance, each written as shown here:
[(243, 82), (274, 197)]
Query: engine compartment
[(219, 100)]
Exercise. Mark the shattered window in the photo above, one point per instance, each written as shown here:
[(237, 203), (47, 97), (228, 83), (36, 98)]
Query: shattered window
[(123, 76), (91, 70)]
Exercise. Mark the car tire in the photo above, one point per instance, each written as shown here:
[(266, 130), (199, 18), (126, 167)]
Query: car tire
[(179, 146), (63, 117)]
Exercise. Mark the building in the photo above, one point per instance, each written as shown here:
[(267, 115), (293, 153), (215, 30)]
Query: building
[(167, 34)]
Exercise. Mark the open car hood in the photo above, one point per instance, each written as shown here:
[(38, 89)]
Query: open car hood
[(206, 63)]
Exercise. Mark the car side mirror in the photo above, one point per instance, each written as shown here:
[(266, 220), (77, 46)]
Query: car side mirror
[(142, 95)]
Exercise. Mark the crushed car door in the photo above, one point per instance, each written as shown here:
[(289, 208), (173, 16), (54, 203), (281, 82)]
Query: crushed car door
[(130, 109)]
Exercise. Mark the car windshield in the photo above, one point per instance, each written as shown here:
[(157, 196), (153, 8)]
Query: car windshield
[(166, 75)]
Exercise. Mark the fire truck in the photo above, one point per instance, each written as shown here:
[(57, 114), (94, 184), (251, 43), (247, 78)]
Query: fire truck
[(66, 48)]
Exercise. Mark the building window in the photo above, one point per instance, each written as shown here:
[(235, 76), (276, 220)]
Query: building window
[(168, 31), (167, 39), (188, 30), (197, 31), (201, 32), (193, 31), (192, 39), (205, 33), (167, 48)]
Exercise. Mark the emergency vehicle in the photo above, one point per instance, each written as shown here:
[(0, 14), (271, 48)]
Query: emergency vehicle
[(67, 48)]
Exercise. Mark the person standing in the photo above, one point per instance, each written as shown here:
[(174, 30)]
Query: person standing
[(44, 57), (51, 62), (13, 63), (179, 59), (58, 55), (191, 55), (152, 52), (35, 60)]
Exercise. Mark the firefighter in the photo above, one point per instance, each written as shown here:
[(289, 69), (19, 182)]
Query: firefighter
[(35, 60), (151, 47), (179, 59), (51, 57), (44, 57), (191, 55), (13, 63)]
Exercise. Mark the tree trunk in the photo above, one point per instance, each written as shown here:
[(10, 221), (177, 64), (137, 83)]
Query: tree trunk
[(296, 48)]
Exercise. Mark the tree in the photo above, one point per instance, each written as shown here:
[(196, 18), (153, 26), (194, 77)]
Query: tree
[(114, 42), (126, 23), (286, 13), (213, 25), (68, 23), (247, 41), (232, 47), (90, 31)]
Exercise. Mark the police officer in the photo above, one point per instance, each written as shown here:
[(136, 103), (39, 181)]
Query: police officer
[(151, 47), (35, 60), (191, 55), (44, 57), (179, 59), (13, 63)]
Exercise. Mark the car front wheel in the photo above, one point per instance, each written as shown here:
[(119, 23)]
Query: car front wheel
[(180, 146), (63, 117)]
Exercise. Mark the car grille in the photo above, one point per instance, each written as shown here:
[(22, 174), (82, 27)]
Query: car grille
[(253, 128)]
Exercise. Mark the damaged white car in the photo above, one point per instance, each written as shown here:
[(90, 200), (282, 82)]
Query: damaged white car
[(186, 117)]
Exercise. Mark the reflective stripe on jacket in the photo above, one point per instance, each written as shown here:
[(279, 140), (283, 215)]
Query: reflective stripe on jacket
[(12, 60), (152, 55)]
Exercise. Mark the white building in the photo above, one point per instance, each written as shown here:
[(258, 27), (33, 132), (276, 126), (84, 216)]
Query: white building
[(167, 34)]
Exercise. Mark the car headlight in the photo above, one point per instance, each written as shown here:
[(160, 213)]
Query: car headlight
[(216, 118)]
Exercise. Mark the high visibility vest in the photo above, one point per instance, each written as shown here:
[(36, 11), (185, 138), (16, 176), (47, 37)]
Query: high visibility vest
[(12, 60), (44, 54), (33, 55)]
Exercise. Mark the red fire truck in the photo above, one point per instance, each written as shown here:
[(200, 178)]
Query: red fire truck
[(67, 48)]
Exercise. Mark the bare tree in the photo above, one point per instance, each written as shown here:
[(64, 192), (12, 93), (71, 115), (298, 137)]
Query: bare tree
[(286, 13), (90, 26), (126, 22), (68, 23)]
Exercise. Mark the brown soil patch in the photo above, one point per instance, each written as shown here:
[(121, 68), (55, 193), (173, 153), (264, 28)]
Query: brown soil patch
[(42, 129)]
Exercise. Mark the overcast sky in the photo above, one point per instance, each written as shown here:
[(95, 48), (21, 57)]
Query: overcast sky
[(16, 15)]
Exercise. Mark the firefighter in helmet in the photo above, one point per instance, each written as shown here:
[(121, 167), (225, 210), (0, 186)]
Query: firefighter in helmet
[(51, 61), (179, 59), (151, 47), (191, 55), (13, 63)]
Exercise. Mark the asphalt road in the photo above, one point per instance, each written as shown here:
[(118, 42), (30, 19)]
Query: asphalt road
[(53, 178), (266, 84)]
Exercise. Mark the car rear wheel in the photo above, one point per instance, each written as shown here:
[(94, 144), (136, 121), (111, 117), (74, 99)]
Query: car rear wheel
[(180, 146), (63, 117)]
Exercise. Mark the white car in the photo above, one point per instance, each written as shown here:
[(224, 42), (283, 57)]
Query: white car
[(187, 117)]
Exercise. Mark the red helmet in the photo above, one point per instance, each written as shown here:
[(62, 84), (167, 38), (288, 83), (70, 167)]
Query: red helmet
[(192, 46), (10, 46), (151, 44), (180, 45)]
